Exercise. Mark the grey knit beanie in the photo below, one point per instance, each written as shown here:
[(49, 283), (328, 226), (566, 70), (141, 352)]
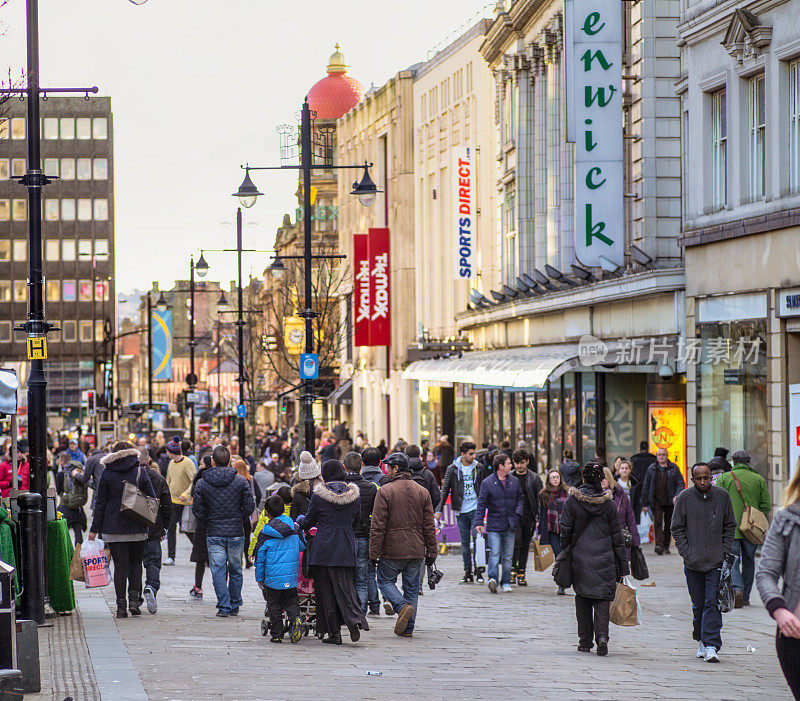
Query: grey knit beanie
[(308, 467)]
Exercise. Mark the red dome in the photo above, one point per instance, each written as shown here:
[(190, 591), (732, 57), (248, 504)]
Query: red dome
[(337, 92)]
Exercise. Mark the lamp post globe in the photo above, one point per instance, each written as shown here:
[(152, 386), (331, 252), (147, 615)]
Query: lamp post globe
[(247, 192), (365, 190), (277, 268), (201, 267), (161, 303)]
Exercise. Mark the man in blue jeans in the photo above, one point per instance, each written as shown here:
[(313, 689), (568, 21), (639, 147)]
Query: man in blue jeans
[(401, 537), (222, 500), (461, 483), (501, 496)]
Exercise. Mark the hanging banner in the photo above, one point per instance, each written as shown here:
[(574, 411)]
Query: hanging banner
[(465, 224), (381, 332), (294, 334), (162, 345), (361, 292), (593, 37)]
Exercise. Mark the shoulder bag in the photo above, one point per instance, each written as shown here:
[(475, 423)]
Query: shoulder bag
[(562, 569), (754, 525), (136, 506)]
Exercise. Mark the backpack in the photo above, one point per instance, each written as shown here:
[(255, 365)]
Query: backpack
[(76, 497)]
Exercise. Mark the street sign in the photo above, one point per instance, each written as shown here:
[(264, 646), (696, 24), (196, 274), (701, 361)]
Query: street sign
[(191, 379), (192, 397), (309, 366), (241, 411), (37, 348)]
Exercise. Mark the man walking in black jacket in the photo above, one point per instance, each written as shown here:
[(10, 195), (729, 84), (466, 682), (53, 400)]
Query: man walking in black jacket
[(639, 464), (531, 485), (152, 547), (662, 484), (366, 578)]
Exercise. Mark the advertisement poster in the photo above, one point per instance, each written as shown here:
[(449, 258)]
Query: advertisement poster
[(361, 293), (162, 345), (464, 229), (667, 422), (371, 285)]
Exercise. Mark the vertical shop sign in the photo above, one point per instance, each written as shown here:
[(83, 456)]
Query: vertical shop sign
[(371, 289), (361, 292), (465, 224), (593, 38)]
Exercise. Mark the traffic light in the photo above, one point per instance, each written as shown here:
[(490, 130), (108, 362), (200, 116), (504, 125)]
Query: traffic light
[(90, 403), (283, 408)]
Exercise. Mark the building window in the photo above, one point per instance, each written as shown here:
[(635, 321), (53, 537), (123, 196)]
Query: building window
[(101, 290), (84, 248), (85, 331), (794, 125), (53, 290), (20, 290), (719, 148), (510, 202), (5, 210), (5, 168), (68, 331), (5, 331), (757, 127), (3, 129), (51, 167), (84, 209), (51, 250), (51, 210), (99, 128), (5, 250), (98, 330), (85, 290), (20, 247), (51, 128), (101, 248), (84, 127), (67, 125), (18, 128), (68, 250), (5, 291), (68, 290), (68, 209), (19, 210), (67, 169), (17, 167), (84, 169), (101, 209), (100, 168)]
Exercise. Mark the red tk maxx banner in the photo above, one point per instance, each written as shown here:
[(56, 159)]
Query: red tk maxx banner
[(361, 291), (371, 282)]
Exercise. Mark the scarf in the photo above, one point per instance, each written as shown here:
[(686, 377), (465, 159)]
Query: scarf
[(554, 508)]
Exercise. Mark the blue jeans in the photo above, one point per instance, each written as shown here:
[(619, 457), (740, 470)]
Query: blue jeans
[(366, 584), (466, 530), (555, 542), (745, 569), (388, 571), (704, 590), (225, 561), (501, 546)]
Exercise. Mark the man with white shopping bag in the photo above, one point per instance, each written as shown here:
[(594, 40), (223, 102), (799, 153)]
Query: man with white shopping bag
[(703, 527)]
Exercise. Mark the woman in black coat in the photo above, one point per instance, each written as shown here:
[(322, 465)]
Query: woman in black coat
[(335, 508), (199, 546), (124, 538), (589, 525)]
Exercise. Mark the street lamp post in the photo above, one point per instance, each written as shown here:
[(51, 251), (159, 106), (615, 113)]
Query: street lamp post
[(365, 190), (191, 380)]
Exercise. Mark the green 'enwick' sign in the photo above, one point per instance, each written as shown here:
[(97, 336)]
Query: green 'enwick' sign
[(593, 39)]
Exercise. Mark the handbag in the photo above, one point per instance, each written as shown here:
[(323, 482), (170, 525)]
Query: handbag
[(754, 525), (136, 506), (562, 569), (627, 537), (638, 564), (188, 520)]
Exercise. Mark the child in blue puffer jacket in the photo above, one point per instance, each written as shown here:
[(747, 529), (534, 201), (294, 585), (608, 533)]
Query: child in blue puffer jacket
[(278, 551)]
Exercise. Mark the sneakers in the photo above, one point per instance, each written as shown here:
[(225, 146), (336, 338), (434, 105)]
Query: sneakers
[(493, 586), (701, 652), (513, 577), (479, 577), (738, 600), (506, 588), (711, 654), (221, 614), (196, 593), (561, 591), (276, 639), (403, 617), (467, 578), (169, 561), (296, 630), (388, 609), (521, 580), (150, 599)]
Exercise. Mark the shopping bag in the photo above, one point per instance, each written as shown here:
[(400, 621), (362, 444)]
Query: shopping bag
[(624, 608), (96, 572), (542, 557), (76, 565), (726, 595), (638, 564), (480, 551), (645, 522), (188, 520)]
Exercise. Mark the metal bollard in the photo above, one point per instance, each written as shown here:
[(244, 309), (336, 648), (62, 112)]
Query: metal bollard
[(31, 557), (8, 648)]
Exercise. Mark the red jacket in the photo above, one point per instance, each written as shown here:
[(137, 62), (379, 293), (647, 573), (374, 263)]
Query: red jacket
[(23, 470)]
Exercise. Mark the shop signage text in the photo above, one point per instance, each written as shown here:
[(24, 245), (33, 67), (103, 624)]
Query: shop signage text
[(465, 226), (789, 302), (371, 288)]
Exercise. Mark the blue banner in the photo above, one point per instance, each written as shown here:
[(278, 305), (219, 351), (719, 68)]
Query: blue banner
[(162, 345)]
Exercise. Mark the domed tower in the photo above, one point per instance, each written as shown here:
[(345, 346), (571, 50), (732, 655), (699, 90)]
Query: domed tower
[(336, 93)]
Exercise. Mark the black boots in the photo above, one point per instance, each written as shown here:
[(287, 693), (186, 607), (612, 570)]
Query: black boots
[(134, 601), (122, 608), (333, 639), (467, 578)]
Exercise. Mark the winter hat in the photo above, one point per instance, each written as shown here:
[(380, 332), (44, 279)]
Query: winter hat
[(174, 446), (741, 456), (592, 473), (308, 467), (720, 452), (333, 471), (144, 456)]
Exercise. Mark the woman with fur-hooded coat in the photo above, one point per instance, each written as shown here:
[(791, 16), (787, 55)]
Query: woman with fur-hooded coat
[(335, 509)]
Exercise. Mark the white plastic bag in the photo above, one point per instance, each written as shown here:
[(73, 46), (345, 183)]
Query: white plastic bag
[(480, 551), (630, 582), (645, 521), (96, 572)]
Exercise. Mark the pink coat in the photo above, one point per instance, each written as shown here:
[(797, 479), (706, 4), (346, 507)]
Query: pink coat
[(23, 470)]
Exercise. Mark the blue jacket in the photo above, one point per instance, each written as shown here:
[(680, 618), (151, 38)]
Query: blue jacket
[(503, 503), (278, 559), (222, 500)]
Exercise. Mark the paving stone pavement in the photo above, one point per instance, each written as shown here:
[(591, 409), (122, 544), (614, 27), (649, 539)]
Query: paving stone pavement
[(467, 642)]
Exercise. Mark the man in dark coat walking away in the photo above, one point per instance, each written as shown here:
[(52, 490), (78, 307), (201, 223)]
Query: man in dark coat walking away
[(590, 526), (366, 582), (501, 501), (662, 484), (421, 474), (222, 500), (402, 536), (151, 561), (531, 485), (639, 464)]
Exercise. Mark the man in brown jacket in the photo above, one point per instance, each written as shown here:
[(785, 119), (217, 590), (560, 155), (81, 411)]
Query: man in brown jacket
[(402, 536)]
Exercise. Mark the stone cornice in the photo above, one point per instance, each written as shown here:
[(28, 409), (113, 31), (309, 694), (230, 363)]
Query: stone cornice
[(712, 17), (508, 24)]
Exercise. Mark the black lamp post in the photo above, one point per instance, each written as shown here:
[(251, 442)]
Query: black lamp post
[(365, 190)]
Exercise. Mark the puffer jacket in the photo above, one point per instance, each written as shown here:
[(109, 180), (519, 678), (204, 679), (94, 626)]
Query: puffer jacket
[(222, 500), (402, 521), (23, 472), (598, 555), (425, 478), (501, 503), (120, 467), (279, 546), (367, 490), (335, 509), (780, 558)]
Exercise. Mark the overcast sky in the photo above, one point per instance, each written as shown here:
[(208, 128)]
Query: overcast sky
[(197, 88)]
